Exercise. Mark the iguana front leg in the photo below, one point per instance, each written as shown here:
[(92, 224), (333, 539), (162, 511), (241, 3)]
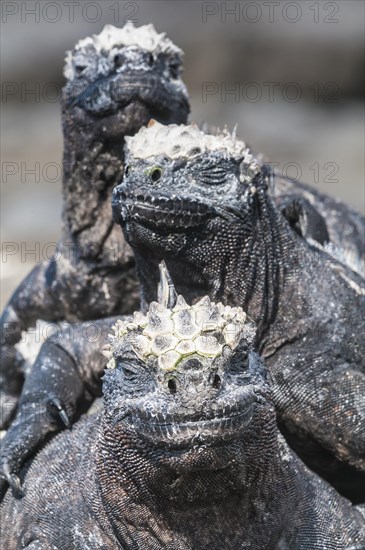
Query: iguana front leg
[(321, 405), (64, 380), (31, 301)]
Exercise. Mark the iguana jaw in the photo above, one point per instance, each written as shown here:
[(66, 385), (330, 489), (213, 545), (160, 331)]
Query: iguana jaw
[(215, 403), (160, 213), (185, 433)]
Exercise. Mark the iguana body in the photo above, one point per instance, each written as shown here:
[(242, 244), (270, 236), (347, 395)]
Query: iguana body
[(323, 221), (185, 456)]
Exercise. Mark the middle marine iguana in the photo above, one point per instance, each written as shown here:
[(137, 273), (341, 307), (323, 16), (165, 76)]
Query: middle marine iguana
[(186, 454), (201, 203)]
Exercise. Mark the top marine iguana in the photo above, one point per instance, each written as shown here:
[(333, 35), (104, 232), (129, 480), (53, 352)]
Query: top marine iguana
[(116, 81), (186, 454)]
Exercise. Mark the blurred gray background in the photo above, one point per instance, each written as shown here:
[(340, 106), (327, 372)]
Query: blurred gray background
[(294, 69)]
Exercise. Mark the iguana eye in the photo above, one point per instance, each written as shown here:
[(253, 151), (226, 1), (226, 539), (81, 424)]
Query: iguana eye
[(129, 371), (213, 175)]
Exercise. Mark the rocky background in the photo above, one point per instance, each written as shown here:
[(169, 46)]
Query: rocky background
[(289, 74)]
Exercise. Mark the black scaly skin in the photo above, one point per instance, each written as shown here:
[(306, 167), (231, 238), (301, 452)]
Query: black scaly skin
[(228, 239), (92, 275), (191, 466)]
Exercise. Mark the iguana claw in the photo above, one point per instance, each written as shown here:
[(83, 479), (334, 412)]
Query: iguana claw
[(12, 479), (54, 405)]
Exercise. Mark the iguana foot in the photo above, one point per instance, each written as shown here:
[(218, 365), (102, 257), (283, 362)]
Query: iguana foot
[(33, 423), (7, 478)]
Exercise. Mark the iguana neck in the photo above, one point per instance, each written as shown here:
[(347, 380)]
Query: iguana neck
[(236, 265), (93, 166)]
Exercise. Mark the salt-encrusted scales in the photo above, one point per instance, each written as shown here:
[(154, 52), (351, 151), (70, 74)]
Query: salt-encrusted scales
[(172, 334), (162, 344), (184, 324), (180, 141), (111, 38)]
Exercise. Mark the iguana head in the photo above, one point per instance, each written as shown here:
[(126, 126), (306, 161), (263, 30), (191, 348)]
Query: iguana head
[(190, 198), (126, 76), (183, 376)]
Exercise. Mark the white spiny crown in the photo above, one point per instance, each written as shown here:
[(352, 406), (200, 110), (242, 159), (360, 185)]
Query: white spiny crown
[(145, 37), (188, 141), (173, 334)]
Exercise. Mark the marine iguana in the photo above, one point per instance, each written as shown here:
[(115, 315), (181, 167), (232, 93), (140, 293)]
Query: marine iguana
[(186, 454), (116, 81), (201, 203)]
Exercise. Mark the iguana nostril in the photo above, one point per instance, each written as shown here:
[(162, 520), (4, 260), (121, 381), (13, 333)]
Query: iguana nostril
[(174, 70), (80, 69), (217, 381), (150, 60), (118, 60), (171, 384)]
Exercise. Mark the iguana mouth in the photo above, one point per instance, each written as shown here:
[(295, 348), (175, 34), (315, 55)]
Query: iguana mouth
[(110, 94), (163, 213), (181, 434)]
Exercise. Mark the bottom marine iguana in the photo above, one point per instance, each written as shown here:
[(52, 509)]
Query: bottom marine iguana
[(186, 454)]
